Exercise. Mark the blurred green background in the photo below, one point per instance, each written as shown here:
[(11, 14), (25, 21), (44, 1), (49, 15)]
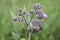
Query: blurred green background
[(52, 26)]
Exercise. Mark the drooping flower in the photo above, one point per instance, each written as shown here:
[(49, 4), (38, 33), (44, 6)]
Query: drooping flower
[(45, 16), (42, 16)]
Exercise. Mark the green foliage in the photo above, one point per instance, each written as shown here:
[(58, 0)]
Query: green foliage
[(52, 26)]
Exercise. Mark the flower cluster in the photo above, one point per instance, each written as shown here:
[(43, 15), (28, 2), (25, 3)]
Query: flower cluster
[(37, 24), (34, 24)]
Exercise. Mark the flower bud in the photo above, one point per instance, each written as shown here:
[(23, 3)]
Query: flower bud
[(15, 19), (24, 10), (20, 12), (31, 12)]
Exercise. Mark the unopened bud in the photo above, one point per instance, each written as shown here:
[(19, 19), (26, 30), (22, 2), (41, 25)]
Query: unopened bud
[(15, 19), (31, 12), (24, 10), (20, 12)]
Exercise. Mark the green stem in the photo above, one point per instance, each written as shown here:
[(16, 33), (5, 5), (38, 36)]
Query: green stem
[(29, 38), (26, 27), (24, 19), (31, 18)]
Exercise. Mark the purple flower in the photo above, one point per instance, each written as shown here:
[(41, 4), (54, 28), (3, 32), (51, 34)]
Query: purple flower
[(37, 6), (36, 25), (45, 16), (18, 19)]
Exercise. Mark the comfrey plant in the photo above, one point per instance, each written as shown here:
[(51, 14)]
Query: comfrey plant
[(33, 19)]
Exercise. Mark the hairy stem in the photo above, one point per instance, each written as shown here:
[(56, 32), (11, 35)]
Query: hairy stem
[(31, 18), (29, 38), (26, 27), (24, 19)]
